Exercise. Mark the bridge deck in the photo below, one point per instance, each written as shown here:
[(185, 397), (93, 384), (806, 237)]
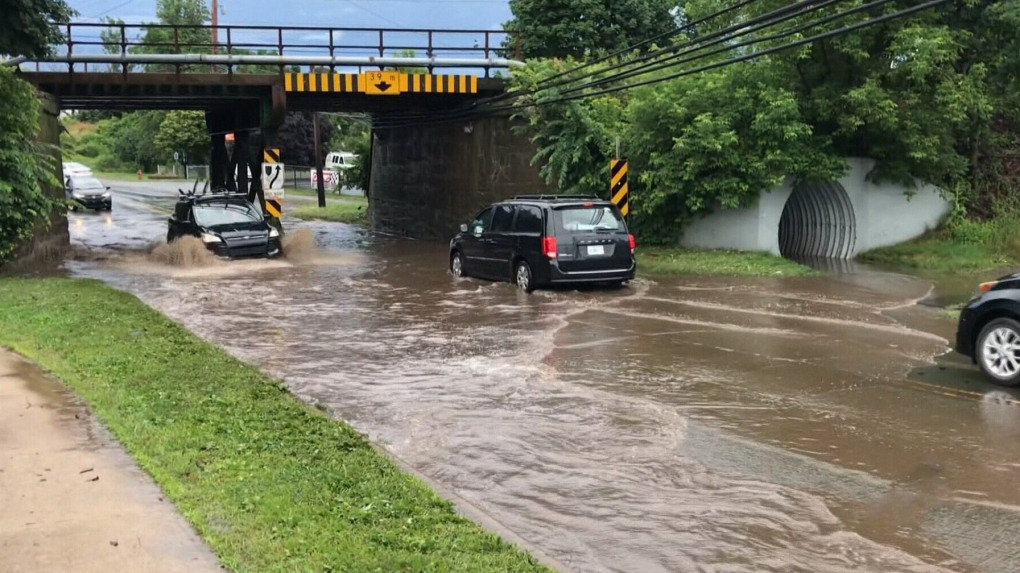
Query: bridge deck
[(213, 91)]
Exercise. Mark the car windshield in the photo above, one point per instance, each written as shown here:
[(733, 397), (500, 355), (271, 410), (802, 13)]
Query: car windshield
[(588, 219), (225, 214), (87, 184)]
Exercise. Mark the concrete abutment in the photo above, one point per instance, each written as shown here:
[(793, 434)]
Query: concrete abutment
[(428, 179), (50, 238)]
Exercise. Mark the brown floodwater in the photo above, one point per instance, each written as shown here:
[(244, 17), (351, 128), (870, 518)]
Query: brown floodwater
[(795, 424)]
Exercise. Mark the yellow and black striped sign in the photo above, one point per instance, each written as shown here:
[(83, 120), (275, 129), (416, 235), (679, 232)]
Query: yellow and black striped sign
[(354, 83), (618, 184), (271, 155), (442, 84), (274, 207), (320, 82)]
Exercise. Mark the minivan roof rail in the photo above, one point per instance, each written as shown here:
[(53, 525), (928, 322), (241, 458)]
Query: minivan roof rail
[(560, 197)]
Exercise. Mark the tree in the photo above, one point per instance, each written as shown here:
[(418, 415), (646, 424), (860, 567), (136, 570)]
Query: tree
[(296, 138), (408, 53), (29, 27), (919, 95), (191, 36), (184, 132), (24, 165), (577, 28)]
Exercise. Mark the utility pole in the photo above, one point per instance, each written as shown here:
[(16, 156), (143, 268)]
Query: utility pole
[(320, 188), (215, 21)]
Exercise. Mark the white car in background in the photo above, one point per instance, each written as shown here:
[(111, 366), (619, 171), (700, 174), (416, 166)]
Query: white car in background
[(72, 169)]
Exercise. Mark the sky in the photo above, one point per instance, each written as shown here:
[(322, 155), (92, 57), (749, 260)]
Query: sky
[(461, 14), (396, 14)]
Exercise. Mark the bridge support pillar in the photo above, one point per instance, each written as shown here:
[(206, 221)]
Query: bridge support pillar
[(218, 124), (426, 180), (240, 170), (50, 237)]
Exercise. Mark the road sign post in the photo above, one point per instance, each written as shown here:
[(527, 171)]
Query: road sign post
[(272, 182), (618, 185)]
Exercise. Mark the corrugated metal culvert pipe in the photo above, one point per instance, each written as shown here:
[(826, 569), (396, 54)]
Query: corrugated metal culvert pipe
[(818, 222)]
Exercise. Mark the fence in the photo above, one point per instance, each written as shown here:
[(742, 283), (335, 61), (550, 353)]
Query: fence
[(189, 172)]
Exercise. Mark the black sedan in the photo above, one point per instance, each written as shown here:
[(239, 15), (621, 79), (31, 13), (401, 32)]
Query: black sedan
[(989, 330), (85, 191), (229, 225)]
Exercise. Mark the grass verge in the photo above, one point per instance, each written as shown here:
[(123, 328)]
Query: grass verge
[(941, 253), (674, 261), (960, 245), (269, 482), (353, 211)]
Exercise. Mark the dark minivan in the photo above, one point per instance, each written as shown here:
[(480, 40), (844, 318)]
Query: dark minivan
[(542, 240)]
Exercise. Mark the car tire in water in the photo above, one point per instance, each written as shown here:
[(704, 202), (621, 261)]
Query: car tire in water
[(457, 265), (998, 351), (523, 277)]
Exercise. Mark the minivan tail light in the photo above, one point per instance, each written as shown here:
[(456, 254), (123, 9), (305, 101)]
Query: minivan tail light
[(549, 247), (633, 243)]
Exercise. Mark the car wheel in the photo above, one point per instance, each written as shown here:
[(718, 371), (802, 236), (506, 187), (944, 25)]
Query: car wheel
[(457, 264), (998, 350), (523, 278)]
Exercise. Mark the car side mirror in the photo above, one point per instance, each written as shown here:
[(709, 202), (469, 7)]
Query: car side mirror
[(107, 187), (463, 228)]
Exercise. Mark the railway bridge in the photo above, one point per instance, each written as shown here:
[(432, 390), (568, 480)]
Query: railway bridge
[(436, 153)]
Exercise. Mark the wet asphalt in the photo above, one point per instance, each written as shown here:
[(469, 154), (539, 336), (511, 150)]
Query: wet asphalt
[(695, 424)]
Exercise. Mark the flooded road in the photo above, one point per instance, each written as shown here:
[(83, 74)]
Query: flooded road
[(789, 425)]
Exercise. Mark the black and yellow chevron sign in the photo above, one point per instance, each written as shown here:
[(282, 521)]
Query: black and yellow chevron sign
[(274, 207), (271, 155), (618, 184)]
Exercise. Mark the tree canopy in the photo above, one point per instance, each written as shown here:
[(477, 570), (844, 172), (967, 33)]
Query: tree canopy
[(920, 95), (577, 28), (28, 27)]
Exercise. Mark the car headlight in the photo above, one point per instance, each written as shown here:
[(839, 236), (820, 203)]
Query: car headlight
[(273, 232), (77, 195), (210, 238), (106, 195)]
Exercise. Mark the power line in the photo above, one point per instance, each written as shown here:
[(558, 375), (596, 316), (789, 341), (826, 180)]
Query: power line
[(376, 14), (653, 67), (773, 17), (647, 41), (118, 6), (474, 113)]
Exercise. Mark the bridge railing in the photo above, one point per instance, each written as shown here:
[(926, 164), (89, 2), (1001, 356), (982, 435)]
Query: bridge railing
[(109, 46)]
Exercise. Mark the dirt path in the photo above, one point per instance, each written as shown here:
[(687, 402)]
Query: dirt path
[(71, 499)]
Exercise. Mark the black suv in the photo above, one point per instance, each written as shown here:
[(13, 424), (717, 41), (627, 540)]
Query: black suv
[(228, 224), (988, 331), (539, 240)]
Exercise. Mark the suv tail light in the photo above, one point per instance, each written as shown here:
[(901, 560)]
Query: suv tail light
[(633, 243), (549, 247)]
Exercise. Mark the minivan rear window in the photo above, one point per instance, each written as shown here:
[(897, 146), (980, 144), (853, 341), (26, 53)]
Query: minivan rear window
[(582, 219)]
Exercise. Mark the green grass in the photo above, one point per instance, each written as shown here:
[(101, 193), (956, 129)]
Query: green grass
[(349, 210), (960, 245), (675, 261), (272, 484), (941, 253)]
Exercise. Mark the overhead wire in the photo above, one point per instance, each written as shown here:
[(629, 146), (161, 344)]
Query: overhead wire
[(730, 33), (647, 68), (707, 67), (772, 18), (776, 16)]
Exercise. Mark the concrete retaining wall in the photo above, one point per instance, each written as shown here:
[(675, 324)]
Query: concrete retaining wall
[(824, 223)]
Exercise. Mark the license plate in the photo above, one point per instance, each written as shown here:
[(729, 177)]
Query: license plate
[(596, 250)]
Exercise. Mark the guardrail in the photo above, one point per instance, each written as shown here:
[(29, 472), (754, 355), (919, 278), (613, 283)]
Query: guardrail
[(241, 49)]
